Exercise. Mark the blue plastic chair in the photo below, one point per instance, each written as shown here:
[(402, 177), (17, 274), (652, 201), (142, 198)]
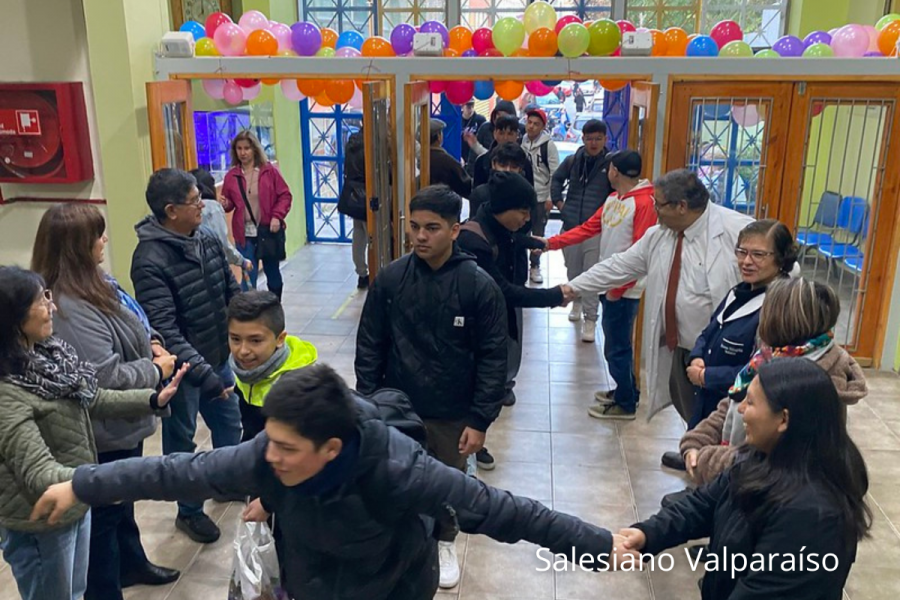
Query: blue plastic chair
[(855, 263), (853, 220), (826, 217)]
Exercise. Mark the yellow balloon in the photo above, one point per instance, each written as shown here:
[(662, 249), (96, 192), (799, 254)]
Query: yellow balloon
[(205, 47), (539, 14)]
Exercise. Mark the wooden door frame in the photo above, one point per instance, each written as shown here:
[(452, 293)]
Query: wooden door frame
[(416, 99), (384, 91), (168, 92)]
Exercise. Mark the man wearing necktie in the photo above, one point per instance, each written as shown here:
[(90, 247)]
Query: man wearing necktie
[(687, 260)]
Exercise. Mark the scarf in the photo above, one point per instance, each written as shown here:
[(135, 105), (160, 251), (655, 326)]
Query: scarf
[(816, 346), (263, 371), (54, 372), (130, 304)]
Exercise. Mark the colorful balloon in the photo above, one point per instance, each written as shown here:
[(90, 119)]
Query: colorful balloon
[(282, 34), (508, 35), (194, 28), (613, 85), (325, 52), (329, 37), (436, 27), (460, 39), (437, 87), (230, 40), (214, 21), (605, 37), (246, 83), (573, 40), (214, 88), (205, 47), (883, 21), (261, 43), (660, 45), (270, 80), (232, 92), (509, 90), (482, 39), (767, 53), (887, 38), (789, 46), (290, 90), (484, 90), (702, 46), (817, 37), (251, 93), (676, 41), (459, 92), (252, 20), (850, 41), (377, 46), (402, 38), (490, 53), (818, 51), (311, 87), (538, 88), (306, 39), (539, 15), (736, 49), (340, 90), (351, 38), (450, 53), (542, 43), (565, 20), (626, 26), (726, 31), (348, 52)]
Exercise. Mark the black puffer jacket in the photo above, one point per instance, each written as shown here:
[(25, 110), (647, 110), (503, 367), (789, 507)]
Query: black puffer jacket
[(587, 190), (418, 335), (184, 284), (366, 536), (352, 199)]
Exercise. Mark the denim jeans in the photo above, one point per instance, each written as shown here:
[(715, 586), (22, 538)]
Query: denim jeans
[(618, 323), (51, 565), (271, 267), (222, 416)]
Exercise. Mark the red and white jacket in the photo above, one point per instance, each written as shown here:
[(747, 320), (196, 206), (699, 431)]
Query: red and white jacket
[(623, 221)]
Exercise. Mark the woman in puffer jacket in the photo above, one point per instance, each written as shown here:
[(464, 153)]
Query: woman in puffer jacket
[(797, 319)]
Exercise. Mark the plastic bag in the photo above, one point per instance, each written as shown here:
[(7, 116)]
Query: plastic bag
[(255, 574)]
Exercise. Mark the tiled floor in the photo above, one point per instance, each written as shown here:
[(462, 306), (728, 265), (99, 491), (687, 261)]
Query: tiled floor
[(546, 448)]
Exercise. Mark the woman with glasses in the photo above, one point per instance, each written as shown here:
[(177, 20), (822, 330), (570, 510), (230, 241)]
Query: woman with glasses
[(108, 329), (49, 397)]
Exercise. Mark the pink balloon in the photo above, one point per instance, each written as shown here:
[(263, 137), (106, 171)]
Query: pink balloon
[(873, 38), (252, 20), (347, 52), (214, 88), (436, 87), (746, 116), (232, 92), (230, 40), (282, 33), (251, 93), (850, 41), (726, 31), (356, 101), (290, 90), (538, 88), (460, 92)]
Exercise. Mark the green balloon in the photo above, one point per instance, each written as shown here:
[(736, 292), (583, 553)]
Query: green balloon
[(736, 49), (767, 54), (573, 40), (325, 52), (508, 35), (605, 37), (818, 51), (885, 20)]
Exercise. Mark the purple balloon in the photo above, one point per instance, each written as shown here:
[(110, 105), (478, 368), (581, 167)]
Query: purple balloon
[(436, 27), (789, 46), (874, 54), (402, 38), (348, 52), (470, 53), (817, 37), (306, 38)]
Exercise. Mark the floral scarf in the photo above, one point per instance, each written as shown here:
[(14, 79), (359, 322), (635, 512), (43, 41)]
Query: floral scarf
[(54, 372), (766, 354)]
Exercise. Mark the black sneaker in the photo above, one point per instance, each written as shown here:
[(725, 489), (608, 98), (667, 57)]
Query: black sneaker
[(673, 460), (485, 460), (199, 528), (363, 282), (509, 399)]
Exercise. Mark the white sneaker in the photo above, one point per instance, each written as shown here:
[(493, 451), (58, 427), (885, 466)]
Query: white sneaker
[(536, 276), (449, 565), (588, 331), (575, 313)]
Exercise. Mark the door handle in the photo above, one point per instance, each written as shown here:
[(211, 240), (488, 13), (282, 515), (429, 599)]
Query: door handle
[(374, 204)]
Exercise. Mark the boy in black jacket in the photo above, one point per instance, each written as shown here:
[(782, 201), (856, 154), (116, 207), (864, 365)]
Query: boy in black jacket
[(434, 326), (183, 282)]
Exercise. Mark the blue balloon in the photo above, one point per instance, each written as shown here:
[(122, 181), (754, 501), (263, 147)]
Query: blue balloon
[(194, 28), (484, 90), (702, 46), (350, 38), (552, 83)]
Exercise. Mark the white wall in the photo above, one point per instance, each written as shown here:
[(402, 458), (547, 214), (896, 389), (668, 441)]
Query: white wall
[(43, 40)]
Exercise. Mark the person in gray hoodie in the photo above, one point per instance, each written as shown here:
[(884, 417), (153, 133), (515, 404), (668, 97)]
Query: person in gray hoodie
[(184, 284), (108, 329), (544, 157)]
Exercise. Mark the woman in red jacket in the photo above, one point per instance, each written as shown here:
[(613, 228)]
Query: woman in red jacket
[(262, 198)]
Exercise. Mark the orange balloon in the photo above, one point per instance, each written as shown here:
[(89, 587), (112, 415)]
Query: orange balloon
[(377, 46), (311, 87), (323, 100), (360, 83), (450, 53), (520, 53), (676, 41), (270, 80), (887, 39), (542, 42), (613, 85), (460, 39), (261, 43), (329, 37), (660, 45), (509, 90), (339, 90)]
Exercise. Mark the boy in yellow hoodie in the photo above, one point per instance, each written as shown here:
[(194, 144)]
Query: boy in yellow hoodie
[(261, 352)]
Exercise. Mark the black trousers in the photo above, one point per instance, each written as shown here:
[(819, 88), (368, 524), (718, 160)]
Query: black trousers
[(116, 548)]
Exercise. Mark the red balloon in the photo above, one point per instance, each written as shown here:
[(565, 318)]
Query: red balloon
[(214, 20), (563, 21), (246, 83), (726, 31), (460, 92), (490, 53), (482, 39), (436, 87), (626, 26)]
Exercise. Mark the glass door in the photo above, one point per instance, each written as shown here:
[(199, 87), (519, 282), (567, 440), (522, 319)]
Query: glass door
[(417, 141), (171, 119)]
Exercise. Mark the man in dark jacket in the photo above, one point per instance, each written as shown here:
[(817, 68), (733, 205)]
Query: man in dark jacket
[(484, 137), (183, 282), (491, 237), (355, 498), (443, 168), (352, 203), (434, 326), (506, 131), (471, 122), (586, 174)]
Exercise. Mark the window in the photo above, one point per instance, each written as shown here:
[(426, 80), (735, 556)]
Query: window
[(662, 14), (762, 20), (414, 12), (341, 15), (588, 10), (484, 13)]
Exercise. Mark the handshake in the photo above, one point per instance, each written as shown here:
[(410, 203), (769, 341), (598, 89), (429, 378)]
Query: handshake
[(627, 546), (569, 294)]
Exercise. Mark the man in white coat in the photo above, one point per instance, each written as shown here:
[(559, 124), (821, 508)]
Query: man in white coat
[(688, 262)]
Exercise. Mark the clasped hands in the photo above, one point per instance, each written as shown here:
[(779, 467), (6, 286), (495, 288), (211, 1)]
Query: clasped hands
[(569, 294)]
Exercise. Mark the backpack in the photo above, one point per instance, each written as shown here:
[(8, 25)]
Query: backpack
[(397, 411), (544, 156), (476, 228)]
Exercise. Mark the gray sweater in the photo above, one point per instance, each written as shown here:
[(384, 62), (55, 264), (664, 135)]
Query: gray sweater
[(213, 220), (119, 347)]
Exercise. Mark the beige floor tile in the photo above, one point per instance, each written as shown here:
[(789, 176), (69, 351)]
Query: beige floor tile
[(665, 424), (508, 445), (650, 486), (524, 417), (571, 418), (502, 571), (523, 479), (645, 453), (577, 584), (572, 483), (601, 449)]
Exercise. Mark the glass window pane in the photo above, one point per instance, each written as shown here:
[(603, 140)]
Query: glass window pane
[(763, 21), (662, 14)]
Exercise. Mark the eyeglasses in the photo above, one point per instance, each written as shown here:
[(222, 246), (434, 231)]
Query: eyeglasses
[(755, 255), (47, 298), (193, 201)]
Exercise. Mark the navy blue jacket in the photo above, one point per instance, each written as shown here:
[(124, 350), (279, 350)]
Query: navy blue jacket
[(726, 346)]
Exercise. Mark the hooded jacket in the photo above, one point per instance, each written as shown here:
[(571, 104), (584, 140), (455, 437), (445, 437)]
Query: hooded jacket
[(587, 190), (184, 284), (364, 533), (485, 133), (418, 335), (301, 354), (543, 172)]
